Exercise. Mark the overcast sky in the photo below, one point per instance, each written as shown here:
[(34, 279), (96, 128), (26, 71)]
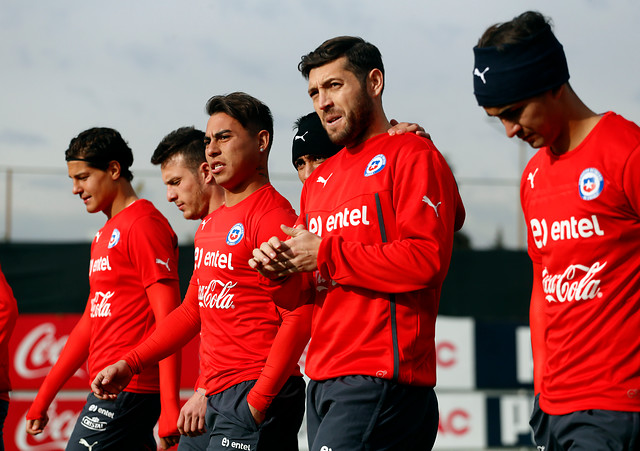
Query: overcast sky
[(147, 67)]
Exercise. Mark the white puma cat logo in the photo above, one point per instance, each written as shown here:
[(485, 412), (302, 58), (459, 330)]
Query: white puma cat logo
[(324, 181), (531, 176), (481, 74), (160, 262), (85, 443), (426, 200)]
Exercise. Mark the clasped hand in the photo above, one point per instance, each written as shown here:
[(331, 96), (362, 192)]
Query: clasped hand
[(275, 258)]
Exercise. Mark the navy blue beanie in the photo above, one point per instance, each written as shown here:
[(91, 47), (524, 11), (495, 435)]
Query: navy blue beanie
[(311, 139), (519, 71)]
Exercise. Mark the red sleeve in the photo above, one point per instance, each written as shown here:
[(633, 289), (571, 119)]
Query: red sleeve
[(290, 341), (73, 355), (153, 250), (268, 225), (532, 249), (537, 323), (630, 180), (8, 316), (171, 334), (197, 385), (290, 292), (419, 242), (164, 297), (295, 329)]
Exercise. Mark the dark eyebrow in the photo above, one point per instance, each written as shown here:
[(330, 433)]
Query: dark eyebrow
[(324, 84), (219, 134), (79, 174), (510, 112), (499, 113)]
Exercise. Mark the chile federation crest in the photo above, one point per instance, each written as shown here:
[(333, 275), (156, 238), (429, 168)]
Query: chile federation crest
[(590, 183), (235, 234), (376, 165)]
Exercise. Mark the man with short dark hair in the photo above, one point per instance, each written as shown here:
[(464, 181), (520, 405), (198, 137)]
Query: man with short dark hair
[(190, 185), (581, 201), (377, 222), (134, 284), (186, 173), (250, 347)]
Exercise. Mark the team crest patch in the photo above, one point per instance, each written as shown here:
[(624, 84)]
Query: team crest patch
[(376, 165), (235, 234), (590, 184), (115, 237)]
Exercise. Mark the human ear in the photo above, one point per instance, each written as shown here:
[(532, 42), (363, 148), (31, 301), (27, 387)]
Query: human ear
[(204, 171), (263, 140), (114, 169), (375, 82)]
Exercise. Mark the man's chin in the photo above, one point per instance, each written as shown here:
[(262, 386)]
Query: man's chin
[(91, 209)]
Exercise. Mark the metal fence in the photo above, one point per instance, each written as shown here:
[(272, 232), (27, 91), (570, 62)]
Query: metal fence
[(37, 206)]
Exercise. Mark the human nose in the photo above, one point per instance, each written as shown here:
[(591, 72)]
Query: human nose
[(171, 194), (76, 188), (211, 150), (308, 169), (511, 128), (323, 100)]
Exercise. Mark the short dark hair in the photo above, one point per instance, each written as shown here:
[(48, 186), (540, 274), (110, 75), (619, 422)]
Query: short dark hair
[(98, 147), (362, 57), (185, 141), (252, 114), (515, 31)]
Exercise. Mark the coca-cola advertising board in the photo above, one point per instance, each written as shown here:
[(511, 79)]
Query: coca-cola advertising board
[(38, 339), (63, 413), (35, 345)]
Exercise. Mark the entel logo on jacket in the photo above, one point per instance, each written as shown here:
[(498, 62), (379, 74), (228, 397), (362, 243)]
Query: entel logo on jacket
[(339, 220), (214, 259), (566, 229)]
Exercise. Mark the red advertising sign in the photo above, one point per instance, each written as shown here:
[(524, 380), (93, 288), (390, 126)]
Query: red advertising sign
[(38, 339), (62, 418), (63, 414), (35, 345), (34, 348)]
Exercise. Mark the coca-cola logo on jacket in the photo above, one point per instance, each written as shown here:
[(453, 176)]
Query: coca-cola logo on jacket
[(576, 283)]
